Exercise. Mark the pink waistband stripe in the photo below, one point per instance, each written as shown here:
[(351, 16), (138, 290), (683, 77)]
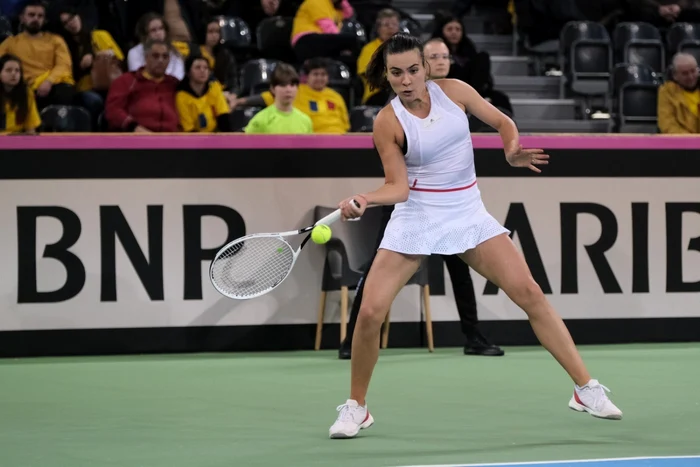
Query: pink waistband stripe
[(444, 190)]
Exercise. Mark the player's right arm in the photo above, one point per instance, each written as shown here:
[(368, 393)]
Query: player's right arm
[(385, 135)]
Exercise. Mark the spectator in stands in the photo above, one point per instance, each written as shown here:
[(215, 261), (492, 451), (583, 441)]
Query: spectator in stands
[(663, 13), (254, 12), (200, 102), (45, 58), (282, 117), (222, 64), (153, 26), (97, 61), (18, 113), (325, 106), (679, 98), (144, 100), (468, 64), (387, 25), (316, 31)]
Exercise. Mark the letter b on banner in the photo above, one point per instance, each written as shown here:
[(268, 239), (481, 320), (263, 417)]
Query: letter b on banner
[(26, 254)]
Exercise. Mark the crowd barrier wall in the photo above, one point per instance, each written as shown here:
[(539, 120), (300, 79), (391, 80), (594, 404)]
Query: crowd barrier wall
[(106, 240)]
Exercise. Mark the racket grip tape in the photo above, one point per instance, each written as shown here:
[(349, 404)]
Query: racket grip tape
[(334, 216)]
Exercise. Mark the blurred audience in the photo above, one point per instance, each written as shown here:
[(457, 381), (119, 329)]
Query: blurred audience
[(253, 12), (679, 98), (144, 100), (387, 25), (46, 61), (282, 117), (663, 13), (222, 63), (316, 31), (200, 101), (152, 26), (19, 111)]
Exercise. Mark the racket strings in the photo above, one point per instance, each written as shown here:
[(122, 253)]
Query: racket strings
[(252, 266)]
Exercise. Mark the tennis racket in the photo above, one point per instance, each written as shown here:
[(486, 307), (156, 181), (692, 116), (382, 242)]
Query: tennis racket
[(255, 264)]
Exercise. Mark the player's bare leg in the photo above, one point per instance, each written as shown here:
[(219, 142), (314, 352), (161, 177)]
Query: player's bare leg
[(499, 261), (388, 274)]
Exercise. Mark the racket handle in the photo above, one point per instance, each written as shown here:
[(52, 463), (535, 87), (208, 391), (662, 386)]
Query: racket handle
[(334, 216)]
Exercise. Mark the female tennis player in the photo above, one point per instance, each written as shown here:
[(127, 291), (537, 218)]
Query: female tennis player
[(425, 146)]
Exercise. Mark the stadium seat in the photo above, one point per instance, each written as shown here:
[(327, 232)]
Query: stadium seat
[(65, 119), (241, 116), (354, 27), (585, 57), (410, 26), (634, 91), (340, 80), (362, 118), (255, 76), (684, 37), (235, 33), (274, 38), (639, 43), (347, 256)]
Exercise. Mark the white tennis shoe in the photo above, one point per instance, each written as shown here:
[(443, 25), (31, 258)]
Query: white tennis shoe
[(351, 419), (592, 398)]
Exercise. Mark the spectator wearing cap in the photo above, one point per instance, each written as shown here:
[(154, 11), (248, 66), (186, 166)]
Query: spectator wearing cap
[(281, 117), (18, 113), (46, 61), (200, 102), (144, 100)]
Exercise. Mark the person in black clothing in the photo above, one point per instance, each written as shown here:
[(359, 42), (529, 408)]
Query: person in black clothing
[(437, 56)]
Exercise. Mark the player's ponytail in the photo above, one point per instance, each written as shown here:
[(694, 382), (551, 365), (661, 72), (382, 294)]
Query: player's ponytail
[(396, 44)]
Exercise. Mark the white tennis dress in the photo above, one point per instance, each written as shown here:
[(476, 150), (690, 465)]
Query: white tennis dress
[(444, 213)]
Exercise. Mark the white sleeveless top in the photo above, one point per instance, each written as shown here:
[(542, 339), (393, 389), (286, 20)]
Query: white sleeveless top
[(440, 153)]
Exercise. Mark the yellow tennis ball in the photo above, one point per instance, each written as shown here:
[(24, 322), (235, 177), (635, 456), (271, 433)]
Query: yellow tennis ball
[(321, 234)]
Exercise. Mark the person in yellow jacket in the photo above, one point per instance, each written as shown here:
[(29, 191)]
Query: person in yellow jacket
[(387, 25), (325, 106), (200, 101), (46, 61), (679, 100)]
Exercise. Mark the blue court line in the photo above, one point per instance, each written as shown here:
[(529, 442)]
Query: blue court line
[(672, 461)]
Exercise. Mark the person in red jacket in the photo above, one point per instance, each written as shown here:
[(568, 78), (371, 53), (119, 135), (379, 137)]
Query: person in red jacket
[(144, 100)]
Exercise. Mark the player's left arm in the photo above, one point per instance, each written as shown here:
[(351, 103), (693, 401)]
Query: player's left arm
[(465, 95)]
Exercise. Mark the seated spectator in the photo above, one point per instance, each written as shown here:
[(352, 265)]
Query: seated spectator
[(387, 25), (46, 62), (468, 64), (663, 13), (144, 100), (323, 105), (97, 61), (253, 12), (18, 113), (281, 117), (153, 26), (222, 64), (679, 98), (200, 102), (316, 31)]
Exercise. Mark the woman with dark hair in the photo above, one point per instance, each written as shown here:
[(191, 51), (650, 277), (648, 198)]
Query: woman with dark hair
[(468, 64), (425, 146), (153, 26), (18, 113), (221, 62)]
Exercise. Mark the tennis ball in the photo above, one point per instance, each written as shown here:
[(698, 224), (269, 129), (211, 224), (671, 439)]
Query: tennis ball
[(321, 234)]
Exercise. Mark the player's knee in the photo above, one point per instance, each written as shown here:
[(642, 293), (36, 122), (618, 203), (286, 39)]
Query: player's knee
[(527, 294), (371, 315)]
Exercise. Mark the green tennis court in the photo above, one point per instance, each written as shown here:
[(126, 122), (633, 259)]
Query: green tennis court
[(274, 409)]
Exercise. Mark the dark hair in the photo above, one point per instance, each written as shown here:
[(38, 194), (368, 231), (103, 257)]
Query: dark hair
[(189, 62), (78, 45), (315, 64), (283, 75), (396, 44), (31, 3), (143, 23), (18, 96), (225, 67), (151, 42)]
